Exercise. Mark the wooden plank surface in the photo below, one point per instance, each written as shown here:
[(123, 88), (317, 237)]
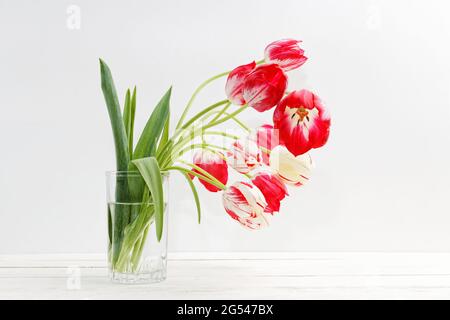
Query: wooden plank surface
[(236, 276)]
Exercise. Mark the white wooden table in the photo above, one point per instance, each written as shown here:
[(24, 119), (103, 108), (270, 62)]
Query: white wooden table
[(236, 276)]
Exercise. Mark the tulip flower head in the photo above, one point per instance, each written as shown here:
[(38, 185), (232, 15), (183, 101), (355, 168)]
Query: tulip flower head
[(264, 87), (213, 163), (272, 188), (286, 53), (303, 122), (267, 138), (245, 203), (289, 168)]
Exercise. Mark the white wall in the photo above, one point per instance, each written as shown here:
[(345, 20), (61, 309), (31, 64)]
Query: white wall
[(382, 66)]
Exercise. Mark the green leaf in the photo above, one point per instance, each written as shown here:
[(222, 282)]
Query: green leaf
[(131, 124), (129, 111), (195, 194), (126, 111), (149, 169), (146, 145), (115, 115), (122, 156), (165, 134)]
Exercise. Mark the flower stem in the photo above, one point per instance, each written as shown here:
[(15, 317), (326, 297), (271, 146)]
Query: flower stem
[(220, 133), (138, 248), (214, 181), (203, 112), (200, 146), (161, 154), (219, 114), (172, 155), (231, 115), (205, 174), (194, 95), (239, 122), (265, 150)]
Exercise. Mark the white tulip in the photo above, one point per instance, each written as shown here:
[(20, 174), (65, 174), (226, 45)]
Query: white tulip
[(289, 168)]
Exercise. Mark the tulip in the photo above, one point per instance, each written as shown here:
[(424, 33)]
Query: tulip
[(235, 83), (289, 168), (214, 164), (302, 121), (264, 87), (286, 53), (268, 138), (272, 188), (245, 203), (244, 155)]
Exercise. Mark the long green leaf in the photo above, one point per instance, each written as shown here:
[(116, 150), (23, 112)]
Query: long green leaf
[(122, 156), (165, 134), (115, 115), (146, 145), (126, 111), (129, 111), (149, 169), (195, 194), (131, 123)]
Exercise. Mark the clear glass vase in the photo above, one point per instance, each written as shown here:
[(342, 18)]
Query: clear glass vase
[(134, 253)]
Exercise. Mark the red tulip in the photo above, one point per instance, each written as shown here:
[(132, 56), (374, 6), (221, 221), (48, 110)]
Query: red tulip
[(244, 155), (245, 203), (268, 138), (272, 188), (235, 83), (303, 122), (214, 164), (264, 87), (286, 53)]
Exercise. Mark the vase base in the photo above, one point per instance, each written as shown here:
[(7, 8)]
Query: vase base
[(138, 278)]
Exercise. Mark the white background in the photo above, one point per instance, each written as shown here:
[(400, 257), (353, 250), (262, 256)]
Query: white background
[(381, 184)]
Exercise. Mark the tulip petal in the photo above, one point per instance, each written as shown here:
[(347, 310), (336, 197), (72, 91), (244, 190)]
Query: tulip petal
[(272, 188), (264, 87), (235, 83), (290, 169), (286, 53)]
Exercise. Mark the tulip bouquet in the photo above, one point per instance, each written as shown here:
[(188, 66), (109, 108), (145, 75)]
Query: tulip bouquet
[(269, 157)]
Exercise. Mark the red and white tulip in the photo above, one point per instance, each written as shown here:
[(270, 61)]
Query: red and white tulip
[(286, 53), (272, 188), (264, 87), (302, 121), (214, 164), (266, 138), (244, 156), (245, 203), (235, 83), (289, 168)]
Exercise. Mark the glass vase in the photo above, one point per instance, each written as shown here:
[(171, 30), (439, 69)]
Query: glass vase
[(134, 253)]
